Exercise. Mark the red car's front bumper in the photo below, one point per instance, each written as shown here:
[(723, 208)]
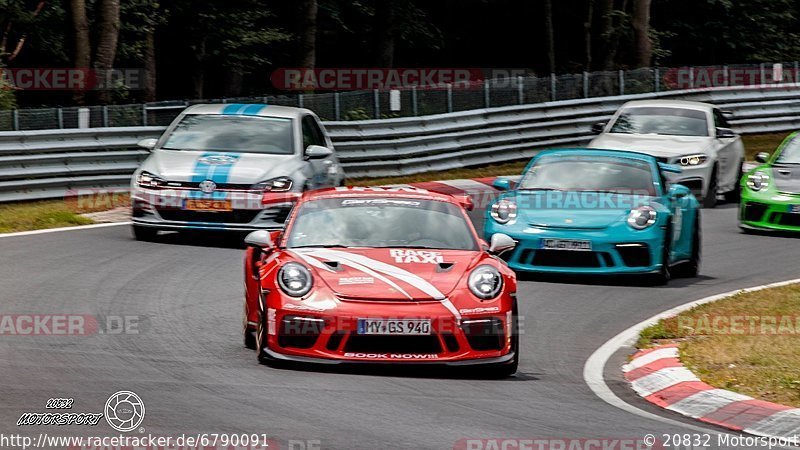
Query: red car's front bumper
[(333, 337)]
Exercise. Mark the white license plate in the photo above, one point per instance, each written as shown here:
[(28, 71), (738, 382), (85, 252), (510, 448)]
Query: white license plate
[(794, 209), (394, 327), (567, 244)]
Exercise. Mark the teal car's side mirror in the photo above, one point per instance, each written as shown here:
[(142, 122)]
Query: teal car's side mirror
[(762, 157), (502, 184), (679, 191)]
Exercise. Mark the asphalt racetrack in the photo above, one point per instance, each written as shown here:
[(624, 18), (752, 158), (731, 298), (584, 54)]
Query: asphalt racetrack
[(188, 365)]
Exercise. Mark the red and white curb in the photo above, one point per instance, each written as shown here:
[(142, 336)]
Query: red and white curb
[(659, 377)]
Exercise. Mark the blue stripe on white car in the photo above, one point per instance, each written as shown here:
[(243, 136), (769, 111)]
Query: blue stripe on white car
[(217, 172)]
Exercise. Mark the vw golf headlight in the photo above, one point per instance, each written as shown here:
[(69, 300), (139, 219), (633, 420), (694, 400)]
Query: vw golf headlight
[(642, 217), (485, 282), (280, 184), (758, 181), (150, 181), (504, 211), (295, 279), (692, 160)]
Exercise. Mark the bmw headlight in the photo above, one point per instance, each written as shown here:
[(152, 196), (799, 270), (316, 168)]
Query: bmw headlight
[(485, 282), (295, 279), (280, 184), (504, 211), (150, 181), (758, 181), (642, 217), (692, 160)]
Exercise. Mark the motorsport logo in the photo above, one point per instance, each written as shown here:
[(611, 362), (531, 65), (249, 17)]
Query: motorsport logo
[(124, 411)]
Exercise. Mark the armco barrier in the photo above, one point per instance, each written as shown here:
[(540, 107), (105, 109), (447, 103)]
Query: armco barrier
[(48, 164)]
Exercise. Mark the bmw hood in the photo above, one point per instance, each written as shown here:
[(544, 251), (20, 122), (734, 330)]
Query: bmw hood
[(390, 274), (786, 178), (656, 145), (220, 167)]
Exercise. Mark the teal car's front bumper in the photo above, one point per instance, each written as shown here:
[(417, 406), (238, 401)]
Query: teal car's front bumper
[(616, 250)]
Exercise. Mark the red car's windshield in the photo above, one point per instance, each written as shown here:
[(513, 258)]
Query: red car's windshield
[(380, 222)]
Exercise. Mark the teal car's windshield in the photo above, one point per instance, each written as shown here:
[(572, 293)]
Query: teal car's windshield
[(662, 121), (381, 222), (589, 174), (790, 153), (245, 134)]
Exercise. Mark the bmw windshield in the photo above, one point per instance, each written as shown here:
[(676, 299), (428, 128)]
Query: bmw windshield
[(381, 222), (661, 121), (239, 134), (589, 174)]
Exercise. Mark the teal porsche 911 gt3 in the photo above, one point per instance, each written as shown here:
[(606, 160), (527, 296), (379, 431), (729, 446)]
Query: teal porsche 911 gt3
[(590, 211)]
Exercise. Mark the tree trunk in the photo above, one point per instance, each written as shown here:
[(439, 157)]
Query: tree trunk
[(385, 33), (587, 31), (614, 30), (150, 66), (641, 33), (199, 75), (550, 36), (308, 33), (83, 47), (106, 49)]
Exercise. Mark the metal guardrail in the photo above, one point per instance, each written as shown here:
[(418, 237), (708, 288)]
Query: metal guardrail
[(51, 163)]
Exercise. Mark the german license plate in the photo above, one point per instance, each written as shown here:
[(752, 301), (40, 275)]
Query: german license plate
[(567, 244), (207, 205), (394, 327), (794, 209)]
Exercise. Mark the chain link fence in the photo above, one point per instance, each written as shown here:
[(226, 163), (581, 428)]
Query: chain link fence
[(422, 101)]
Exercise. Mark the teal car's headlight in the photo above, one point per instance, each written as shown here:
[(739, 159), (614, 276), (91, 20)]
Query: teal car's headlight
[(642, 217), (692, 160), (295, 279), (504, 211), (758, 181), (150, 181), (485, 282)]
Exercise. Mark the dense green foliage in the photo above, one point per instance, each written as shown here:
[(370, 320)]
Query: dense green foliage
[(215, 48)]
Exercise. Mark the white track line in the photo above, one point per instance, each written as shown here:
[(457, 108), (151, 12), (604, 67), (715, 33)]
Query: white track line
[(58, 230), (593, 369)]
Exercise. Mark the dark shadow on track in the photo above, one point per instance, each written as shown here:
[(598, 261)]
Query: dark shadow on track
[(609, 280)]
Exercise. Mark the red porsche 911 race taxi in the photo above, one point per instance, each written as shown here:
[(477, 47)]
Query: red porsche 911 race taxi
[(381, 275)]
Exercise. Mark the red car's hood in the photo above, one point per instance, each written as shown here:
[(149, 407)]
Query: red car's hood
[(390, 274)]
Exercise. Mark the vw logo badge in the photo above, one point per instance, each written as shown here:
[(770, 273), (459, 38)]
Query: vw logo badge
[(124, 411), (218, 160), (208, 186)]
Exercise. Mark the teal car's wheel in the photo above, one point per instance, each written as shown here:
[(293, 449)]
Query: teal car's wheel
[(664, 274), (691, 268)]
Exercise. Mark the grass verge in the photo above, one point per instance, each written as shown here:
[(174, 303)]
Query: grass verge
[(748, 343), (39, 215)]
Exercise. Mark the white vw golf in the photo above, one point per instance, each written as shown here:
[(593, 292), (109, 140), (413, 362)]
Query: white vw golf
[(236, 167)]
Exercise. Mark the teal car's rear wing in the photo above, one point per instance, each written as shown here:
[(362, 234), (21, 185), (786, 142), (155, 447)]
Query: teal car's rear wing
[(671, 168)]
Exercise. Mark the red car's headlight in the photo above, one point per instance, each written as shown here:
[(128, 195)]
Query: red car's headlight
[(485, 282), (295, 279)]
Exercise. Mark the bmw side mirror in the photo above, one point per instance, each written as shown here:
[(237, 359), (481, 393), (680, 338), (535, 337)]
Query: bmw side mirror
[(762, 157), (502, 184), (318, 152), (148, 144), (725, 133), (599, 127), (261, 239), (501, 243)]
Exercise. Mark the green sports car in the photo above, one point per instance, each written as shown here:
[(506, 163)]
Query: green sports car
[(771, 191)]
